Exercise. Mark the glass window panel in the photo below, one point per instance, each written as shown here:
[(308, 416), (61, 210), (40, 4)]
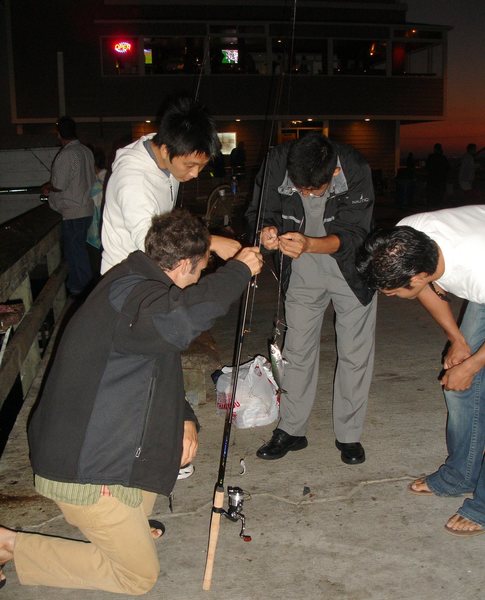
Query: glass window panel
[(238, 55), (228, 141), (417, 58), (359, 57), (173, 55)]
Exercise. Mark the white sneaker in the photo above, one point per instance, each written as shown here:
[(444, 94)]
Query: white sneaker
[(186, 471)]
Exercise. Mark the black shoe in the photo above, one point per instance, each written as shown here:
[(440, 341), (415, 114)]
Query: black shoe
[(280, 444), (352, 453)]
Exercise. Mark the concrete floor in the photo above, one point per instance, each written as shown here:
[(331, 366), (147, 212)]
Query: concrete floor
[(357, 534)]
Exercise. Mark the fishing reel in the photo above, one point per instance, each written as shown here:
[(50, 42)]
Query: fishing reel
[(236, 502)]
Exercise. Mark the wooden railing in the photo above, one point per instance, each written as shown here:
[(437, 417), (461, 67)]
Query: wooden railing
[(30, 250)]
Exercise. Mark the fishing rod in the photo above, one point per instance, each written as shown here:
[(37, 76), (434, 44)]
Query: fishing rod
[(236, 494)]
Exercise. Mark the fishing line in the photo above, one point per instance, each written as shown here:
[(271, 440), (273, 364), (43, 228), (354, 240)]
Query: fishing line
[(236, 495), (292, 52)]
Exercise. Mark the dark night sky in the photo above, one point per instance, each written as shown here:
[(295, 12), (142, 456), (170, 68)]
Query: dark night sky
[(465, 118)]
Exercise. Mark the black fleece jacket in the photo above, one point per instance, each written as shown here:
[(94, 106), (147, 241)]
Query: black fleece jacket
[(348, 212), (113, 407)]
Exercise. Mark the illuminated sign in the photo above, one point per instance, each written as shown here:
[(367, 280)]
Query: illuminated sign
[(122, 47)]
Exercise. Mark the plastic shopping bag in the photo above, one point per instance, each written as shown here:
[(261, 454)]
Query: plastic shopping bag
[(257, 398)]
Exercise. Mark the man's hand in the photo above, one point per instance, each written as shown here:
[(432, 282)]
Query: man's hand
[(459, 378), (224, 247), (269, 238), (458, 351), (190, 443), (46, 188), (293, 244), (252, 258)]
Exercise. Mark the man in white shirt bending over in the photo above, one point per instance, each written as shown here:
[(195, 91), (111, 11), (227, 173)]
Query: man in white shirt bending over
[(425, 257)]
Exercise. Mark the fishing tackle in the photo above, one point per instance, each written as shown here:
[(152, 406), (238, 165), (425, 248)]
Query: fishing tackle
[(277, 363), (234, 512), (236, 502)]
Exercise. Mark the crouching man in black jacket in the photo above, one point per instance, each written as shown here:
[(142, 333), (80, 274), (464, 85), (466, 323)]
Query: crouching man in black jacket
[(113, 427)]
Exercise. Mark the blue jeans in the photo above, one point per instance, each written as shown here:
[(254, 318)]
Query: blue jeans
[(464, 469), (79, 274)]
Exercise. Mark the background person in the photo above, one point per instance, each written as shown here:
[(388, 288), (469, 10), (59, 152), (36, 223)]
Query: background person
[(424, 257), (97, 193), (112, 426), (437, 170), (467, 173), (237, 159), (68, 190)]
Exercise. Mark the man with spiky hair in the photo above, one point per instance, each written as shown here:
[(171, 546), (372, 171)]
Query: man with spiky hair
[(146, 176)]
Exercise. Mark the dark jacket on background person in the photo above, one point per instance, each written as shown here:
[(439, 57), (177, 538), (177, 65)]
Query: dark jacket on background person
[(348, 212), (113, 408)]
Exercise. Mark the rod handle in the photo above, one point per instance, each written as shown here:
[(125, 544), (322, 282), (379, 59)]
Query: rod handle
[(217, 506)]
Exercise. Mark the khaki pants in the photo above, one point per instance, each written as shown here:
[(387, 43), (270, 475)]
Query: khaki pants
[(120, 558)]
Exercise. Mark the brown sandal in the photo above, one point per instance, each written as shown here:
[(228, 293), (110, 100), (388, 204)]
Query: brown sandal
[(422, 492), (464, 532)]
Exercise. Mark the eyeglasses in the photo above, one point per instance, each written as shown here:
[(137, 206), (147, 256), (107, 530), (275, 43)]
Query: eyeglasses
[(312, 192)]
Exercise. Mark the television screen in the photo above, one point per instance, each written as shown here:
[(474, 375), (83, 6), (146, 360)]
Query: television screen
[(230, 56), (148, 56)]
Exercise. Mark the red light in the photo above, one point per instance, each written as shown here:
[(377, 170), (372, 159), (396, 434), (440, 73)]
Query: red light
[(122, 47)]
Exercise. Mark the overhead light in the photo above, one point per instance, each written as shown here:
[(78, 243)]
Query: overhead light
[(309, 119), (238, 120), (148, 121), (367, 119)]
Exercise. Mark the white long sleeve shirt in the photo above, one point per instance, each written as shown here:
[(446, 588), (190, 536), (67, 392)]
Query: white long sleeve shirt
[(137, 190)]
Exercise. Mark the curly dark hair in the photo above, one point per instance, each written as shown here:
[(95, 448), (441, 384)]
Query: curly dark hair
[(389, 259), (174, 236)]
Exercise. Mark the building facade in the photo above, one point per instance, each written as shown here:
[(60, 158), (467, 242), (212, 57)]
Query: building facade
[(268, 70)]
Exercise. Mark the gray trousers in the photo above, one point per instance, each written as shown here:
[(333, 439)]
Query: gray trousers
[(315, 281)]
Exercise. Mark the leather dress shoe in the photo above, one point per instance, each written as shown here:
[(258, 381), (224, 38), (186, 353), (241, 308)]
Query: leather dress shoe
[(281, 443), (352, 453)]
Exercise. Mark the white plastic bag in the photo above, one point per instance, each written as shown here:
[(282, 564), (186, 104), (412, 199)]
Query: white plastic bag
[(257, 398)]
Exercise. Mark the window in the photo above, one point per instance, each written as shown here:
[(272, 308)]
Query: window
[(417, 58), (228, 141), (231, 54), (151, 55), (173, 55), (359, 57)]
